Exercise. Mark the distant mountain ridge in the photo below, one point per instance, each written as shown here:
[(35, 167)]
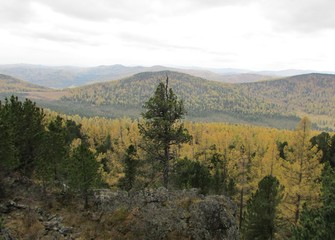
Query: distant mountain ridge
[(70, 76)]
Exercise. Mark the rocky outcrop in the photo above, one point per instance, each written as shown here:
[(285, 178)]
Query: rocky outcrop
[(146, 214), (52, 224), (163, 214)]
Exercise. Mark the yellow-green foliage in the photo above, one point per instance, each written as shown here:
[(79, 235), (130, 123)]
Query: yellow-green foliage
[(260, 154), (300, 172), (310, 94)]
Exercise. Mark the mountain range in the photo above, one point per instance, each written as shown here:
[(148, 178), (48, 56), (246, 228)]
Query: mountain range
[(275, 103), (68, 76)]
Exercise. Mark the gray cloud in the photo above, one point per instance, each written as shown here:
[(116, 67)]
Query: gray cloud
[(301, 16), (153, 43), (62, 38), (15, 11), (101, 10)]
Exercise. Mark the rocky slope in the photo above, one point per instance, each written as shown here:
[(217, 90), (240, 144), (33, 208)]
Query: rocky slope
[(25, 213), (163, 214)]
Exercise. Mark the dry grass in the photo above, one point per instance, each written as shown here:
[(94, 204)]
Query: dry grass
[(25, 225)]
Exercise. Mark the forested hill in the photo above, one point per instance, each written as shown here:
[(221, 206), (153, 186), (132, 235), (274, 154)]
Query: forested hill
[(276, 103), (10, 84), (204, 100), (307, 94)]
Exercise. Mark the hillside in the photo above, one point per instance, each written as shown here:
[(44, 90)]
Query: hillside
[(11, 84), (308, 94), (275, 103), (204, 100)]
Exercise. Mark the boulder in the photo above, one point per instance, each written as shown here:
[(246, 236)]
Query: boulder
[(163, 214)]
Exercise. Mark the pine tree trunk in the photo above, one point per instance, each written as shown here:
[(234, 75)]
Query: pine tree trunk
[(241, 209), (166, 167), (86, 200)]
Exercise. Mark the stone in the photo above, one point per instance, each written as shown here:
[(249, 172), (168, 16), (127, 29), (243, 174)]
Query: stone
[(163, 214)]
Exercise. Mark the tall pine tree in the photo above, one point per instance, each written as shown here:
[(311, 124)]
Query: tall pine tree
[(261, 214), (83, 171), (302, 168), (163, 128)]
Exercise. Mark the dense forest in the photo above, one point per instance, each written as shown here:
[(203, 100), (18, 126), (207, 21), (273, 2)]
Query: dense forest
[(309, 94), (278, 103), (204, 100), (279, 177)]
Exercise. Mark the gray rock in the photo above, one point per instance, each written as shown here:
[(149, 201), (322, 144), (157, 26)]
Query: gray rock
[(11, 206), (163, 214)]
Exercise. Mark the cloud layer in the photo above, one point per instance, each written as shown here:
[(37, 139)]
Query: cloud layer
[(307, 15), (255, 33)]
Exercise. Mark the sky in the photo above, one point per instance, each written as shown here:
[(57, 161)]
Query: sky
[(245, 34)]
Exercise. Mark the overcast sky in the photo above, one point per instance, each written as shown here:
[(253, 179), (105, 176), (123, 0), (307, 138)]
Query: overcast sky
[(248, 34)]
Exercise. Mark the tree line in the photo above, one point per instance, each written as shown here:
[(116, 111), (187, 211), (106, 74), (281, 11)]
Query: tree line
[(55, 153)]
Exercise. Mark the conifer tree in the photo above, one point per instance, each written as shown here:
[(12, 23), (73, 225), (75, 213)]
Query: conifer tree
[(83, 171), (53, 152), (301, 169), (130, 168), (24, 122), (191, 174), (163, 128), (319, 223), (8, 153), (221, 183), (326, 143), (261, 211)]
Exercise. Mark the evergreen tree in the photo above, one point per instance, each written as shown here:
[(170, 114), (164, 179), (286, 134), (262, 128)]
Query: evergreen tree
[(261, 210), (191, 174), (163, 128), (322, 141), (53, 152), (24, 122), (332, 151), (83, 171), (243, 178), (73, 131), (221, 182), (130, 168), (301, 169), (8, 154), (319, 223), (326, 143)]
